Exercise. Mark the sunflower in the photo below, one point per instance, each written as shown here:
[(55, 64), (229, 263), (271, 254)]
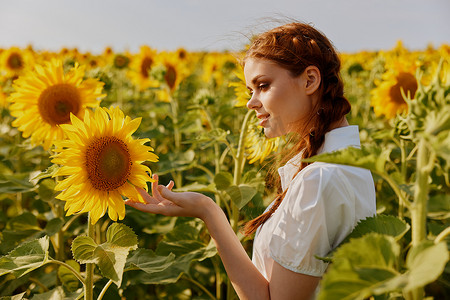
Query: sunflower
[(257, 145), (240, 89), (387, 98), (174, 71), (45, 97), (121, 60), (15, 61), (102, 162), (140, 68)]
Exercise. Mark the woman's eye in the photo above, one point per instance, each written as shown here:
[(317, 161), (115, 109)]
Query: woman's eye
[(263, 86)]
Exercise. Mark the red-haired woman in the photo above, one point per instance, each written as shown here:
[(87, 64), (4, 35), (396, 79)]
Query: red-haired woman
[(292, 72)]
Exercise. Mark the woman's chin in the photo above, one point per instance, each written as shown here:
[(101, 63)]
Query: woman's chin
[(270, 133)]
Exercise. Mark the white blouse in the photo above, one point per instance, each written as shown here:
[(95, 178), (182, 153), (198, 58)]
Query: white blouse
[(323, 204)]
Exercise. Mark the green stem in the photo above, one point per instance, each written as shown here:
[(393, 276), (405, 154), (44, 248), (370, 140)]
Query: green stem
[(102, 293), (239, 164), (216, 146), (206, 170), (403, 173), (68, 223), (425, 161), (60, 254), (40, 284), (75, 272), (398, 192), (89, 282), (19, 206), (176, 135), (441, 236), (424, 164), (216, 261), (198, 284)]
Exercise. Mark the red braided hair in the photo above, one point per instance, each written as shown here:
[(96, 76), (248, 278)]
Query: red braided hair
[(294, 47)]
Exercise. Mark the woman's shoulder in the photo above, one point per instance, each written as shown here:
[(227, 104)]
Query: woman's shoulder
[(331, 176)]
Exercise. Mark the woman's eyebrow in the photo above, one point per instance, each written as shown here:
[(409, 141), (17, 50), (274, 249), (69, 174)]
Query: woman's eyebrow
[(255, 79)]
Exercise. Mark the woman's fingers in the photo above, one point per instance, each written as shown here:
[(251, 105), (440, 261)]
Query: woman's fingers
[(147, 198), (170, 185), (160, 208)]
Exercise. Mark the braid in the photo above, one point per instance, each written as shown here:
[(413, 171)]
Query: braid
[(294, 47)]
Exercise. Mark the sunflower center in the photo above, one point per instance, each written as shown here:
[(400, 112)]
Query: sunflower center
[(405, 81), (57, 102), (171, 76), (15, 61), (146, 65), (108, 163), (121, 61)]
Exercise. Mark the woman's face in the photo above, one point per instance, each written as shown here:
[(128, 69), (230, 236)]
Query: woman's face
[(280, 100)]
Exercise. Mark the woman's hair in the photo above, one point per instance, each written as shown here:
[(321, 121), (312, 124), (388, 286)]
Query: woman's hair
[(294, 47)]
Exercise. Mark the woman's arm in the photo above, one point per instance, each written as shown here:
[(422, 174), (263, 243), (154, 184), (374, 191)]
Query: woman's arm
[(246, 279), (248, 282)]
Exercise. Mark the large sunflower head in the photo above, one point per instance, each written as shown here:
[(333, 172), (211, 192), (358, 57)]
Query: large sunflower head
[(102, 163), (387, 96), (45, 97), (141, 66), (257, 145)]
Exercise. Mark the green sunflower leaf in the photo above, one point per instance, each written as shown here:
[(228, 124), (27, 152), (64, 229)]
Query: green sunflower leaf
[(14, 297), (241, 194), (83, 249), (110, 256), (382, 224), (147, 261), (15, 183), (54, 294), (360, 267), (425, 263), (439, 207), (25, 258), (223, 180), (367, 266)]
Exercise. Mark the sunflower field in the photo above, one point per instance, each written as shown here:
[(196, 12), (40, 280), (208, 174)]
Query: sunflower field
[(80, 131)]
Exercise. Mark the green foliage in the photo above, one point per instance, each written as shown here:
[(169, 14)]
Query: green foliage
[(25, 258), (110, 256), (67, 278), (369, 266), (197, 136)]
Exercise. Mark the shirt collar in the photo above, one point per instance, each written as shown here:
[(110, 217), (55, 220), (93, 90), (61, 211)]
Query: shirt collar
[(339, 138)]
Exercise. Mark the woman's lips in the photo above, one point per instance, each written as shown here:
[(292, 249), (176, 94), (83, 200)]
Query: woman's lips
[(264, 118)]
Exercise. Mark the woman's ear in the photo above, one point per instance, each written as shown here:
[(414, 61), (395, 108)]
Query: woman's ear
[(313, 79)]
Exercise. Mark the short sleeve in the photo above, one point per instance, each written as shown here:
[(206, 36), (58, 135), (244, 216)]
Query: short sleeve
[(303, 224)]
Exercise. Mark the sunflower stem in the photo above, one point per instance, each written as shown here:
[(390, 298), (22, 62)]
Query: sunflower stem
[(424, 165), (70, 268), (239, 164), (89, 281), (105, 288), (60, 255), (176, 135)]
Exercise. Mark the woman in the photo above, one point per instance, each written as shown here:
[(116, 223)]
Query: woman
[(292, 72)]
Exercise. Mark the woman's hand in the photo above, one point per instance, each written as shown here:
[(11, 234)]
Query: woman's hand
[(168, 203)]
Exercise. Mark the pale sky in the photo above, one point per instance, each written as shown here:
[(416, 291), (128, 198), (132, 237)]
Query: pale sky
[(92, 25)]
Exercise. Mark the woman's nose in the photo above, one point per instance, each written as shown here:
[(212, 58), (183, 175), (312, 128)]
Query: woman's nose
[(253, 103)]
